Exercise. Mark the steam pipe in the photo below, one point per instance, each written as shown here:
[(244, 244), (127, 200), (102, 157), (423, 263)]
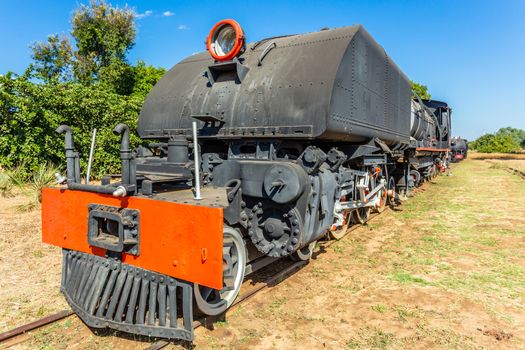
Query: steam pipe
[(72, 161), (92, 188), (125, 153), (123, 129)]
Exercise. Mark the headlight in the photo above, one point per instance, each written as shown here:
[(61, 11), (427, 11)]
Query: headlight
[(226, 40)]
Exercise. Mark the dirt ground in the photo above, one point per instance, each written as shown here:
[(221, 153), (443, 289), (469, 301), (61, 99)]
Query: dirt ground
[(29, 270), (446, 270)]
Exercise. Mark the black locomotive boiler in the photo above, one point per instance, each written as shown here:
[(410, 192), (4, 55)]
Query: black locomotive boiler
[(256, 152)]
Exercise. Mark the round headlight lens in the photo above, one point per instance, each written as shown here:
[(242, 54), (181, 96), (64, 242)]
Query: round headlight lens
[(225, 40)]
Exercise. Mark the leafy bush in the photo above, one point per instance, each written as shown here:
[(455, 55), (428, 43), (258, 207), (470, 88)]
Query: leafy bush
[(517, 134), (31, 112), (421, 90), (495, 143), (86, 84)]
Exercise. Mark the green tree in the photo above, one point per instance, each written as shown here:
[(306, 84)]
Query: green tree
[(517, 134), (421, 90), (85, 85), (31, 112), (53, 58), (495, 143), (103, 36), (145, 77)]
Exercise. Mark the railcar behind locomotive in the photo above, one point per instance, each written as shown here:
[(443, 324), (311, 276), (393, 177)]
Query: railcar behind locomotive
[(256, 152)]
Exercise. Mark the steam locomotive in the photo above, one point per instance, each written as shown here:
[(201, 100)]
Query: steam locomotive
[(458, 149), (256, 152)]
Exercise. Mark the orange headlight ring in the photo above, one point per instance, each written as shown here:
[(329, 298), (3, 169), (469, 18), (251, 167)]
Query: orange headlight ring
[(239, 40)]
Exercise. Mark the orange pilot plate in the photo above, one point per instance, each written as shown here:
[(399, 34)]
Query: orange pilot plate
[(179, 240)]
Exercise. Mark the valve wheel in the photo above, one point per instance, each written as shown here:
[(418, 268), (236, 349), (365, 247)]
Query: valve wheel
[(213, 301)]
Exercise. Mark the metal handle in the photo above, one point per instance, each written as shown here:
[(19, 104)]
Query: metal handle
[(90, 159), (196, 161), (267, 49)]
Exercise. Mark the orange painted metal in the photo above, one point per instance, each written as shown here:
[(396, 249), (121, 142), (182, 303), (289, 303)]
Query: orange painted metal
[(239, 40), (173, 236)]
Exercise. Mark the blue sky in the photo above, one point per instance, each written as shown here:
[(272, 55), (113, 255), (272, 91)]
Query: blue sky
[(470, 53)]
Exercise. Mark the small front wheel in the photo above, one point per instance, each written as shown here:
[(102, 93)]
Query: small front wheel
[(213, 301)]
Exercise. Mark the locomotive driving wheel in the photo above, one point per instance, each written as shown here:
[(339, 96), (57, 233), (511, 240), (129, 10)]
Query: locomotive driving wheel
[(416, 177), (382, 200), (213, 301), (340, 231), (391, 191), (361, 215)]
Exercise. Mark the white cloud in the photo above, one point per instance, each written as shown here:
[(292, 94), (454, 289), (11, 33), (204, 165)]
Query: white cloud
[(168, 13), (146, 13), (183, 27)]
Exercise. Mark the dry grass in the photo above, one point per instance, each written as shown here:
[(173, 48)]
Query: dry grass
[(30, 270), (445, 271), (508, 164), (29, 185), (440, 273), (502, 156)]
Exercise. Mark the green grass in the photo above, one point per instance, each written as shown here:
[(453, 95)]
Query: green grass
[(30, 185), (381, 308), (371, 338), (402, 276), (277, 304), (338, 249)]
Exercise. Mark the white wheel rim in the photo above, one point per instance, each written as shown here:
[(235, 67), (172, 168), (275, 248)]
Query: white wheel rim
[(213, 302)]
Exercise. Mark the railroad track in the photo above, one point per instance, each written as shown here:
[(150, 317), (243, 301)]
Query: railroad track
[(516, 172), (160, 344), (18, 331), (9, 336), (511, 170)]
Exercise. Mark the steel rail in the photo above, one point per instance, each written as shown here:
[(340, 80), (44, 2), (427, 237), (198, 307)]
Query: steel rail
[(34, 325), (160, 344), (242, 298)]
